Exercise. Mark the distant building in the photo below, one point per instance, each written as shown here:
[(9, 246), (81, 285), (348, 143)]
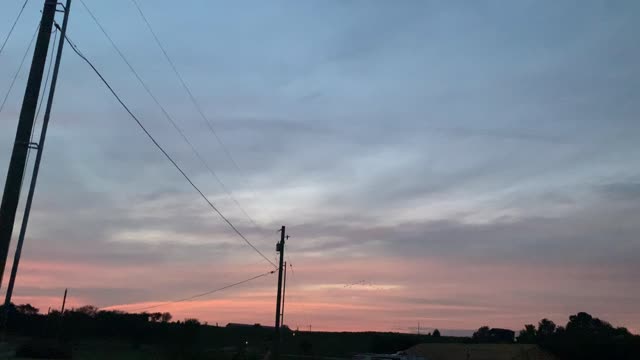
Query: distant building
[(501, 335)]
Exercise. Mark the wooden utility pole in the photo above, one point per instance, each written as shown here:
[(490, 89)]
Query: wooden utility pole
[(64, 301), (284, 292), (61, 318), (275, 355), (21, 144), (36, 166)]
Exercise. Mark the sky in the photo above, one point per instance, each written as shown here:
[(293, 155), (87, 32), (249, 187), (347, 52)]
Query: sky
[(451, 164)]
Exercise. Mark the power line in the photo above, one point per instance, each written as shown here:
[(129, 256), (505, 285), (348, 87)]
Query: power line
[(35, 120), (205, 293), (13, 26), (168, 116), (44, 88), (195, 102), (302, 312), (46, 80), (15, 76), (75, 49)]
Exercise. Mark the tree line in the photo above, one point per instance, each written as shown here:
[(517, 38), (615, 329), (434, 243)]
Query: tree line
[(54, 333), (584, 337)]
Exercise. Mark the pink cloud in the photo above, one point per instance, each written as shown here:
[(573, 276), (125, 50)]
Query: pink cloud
[(397, 293)]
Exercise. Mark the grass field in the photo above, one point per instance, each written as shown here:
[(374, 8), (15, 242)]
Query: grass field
[(480, 352)]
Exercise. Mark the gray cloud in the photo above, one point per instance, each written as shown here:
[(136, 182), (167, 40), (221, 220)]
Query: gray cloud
[(621, 191), (600, 234)]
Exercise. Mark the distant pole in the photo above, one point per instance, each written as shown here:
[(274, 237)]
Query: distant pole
[(284, 292), (64, 302), (276, 341), (36, 166), (61, 318), (21, 145)]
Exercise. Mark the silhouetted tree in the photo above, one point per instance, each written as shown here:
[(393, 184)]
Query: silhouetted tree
[(482, 335), (528, 335), (436, 333), (546, 329), (191, 322), (27, 309), (155, 317), (89, 310), (587, 338), (166, 317)]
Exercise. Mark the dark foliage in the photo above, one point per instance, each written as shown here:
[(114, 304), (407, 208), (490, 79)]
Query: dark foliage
[(584, 338), (528, 335), (189, 339), (482, 335)]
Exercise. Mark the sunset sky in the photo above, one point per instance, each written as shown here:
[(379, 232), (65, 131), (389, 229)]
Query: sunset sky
[(461, 163)]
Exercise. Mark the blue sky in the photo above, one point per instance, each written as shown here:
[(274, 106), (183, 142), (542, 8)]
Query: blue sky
[(452, 136)]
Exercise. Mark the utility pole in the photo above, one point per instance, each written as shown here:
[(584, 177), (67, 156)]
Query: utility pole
[(284, 291), (21, 145), (61, 318), (36, 166), (64, 301), (275, 355)]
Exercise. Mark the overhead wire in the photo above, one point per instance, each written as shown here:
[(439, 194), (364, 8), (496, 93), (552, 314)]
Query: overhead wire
[(17, 73), (301, 314), (13, 26), (196, 104), (46, 80), (167, 115), (164, 152), (44, 89), (204, 293)]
